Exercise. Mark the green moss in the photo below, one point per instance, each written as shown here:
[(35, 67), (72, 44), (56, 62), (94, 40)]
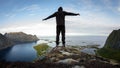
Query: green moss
[(41, 49), (109, 53)]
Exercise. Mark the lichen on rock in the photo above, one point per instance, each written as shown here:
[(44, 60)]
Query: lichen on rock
[(41, 49)]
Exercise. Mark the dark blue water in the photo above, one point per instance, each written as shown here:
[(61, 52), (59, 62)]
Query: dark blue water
[(21, 52), (26, 52)]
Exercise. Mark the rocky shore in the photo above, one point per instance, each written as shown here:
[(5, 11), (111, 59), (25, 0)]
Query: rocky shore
[(73, 56), (61, 57), (92, 64)]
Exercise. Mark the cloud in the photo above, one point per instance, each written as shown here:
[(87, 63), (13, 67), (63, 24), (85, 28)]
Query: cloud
[(32, 7), (111, 5), (10, 15), (107, 3), (96, 23), (93, 21), (118, 9), (100, 5), (40, 28), (32, 14), (88, 3)]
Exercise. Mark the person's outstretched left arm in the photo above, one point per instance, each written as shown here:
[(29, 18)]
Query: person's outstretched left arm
[(72, 14), (53, 15)]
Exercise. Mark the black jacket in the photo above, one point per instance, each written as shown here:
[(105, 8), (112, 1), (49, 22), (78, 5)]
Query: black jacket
[(60, 16)]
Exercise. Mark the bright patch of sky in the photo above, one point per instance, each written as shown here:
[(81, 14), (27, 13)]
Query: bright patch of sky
[(97, 17)]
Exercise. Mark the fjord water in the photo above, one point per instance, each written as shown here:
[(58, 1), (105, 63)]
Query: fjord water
[(26, 52), (19, 52)]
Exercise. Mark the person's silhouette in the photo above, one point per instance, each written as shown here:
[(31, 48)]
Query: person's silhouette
[(60, 21)]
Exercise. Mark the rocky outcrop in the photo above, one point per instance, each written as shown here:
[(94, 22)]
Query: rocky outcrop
[(5, 42), (113, 40), (65, 55), (92, 64), (20, 37), (72, 57)]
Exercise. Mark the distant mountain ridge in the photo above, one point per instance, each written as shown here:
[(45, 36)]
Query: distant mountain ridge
[(20, 37), (12, 38)]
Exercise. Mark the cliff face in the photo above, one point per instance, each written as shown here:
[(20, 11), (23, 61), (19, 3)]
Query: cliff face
[(113, 41), (5, 42), (20, 37), (111, 48)]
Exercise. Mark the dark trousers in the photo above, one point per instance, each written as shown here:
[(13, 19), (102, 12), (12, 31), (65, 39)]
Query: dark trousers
[(60, 29)]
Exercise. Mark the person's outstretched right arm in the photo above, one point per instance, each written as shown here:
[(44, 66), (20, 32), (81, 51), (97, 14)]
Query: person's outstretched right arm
[(53, 15), (71, 14)]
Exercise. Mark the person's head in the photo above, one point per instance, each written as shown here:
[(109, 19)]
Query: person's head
[(60, 9)]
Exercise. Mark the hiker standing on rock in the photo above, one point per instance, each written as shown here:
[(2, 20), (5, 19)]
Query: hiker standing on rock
[(60, 21)]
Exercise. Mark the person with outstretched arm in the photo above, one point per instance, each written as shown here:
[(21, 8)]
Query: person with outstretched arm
[(60, 22)]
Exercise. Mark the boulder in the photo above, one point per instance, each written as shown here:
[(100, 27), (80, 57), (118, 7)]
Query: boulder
[(68, 61)]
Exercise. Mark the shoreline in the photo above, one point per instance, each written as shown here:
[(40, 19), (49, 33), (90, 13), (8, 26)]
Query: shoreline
[(3, 48), (43, 64)]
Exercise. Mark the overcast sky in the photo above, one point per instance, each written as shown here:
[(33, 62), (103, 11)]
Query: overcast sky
[(97, 17)]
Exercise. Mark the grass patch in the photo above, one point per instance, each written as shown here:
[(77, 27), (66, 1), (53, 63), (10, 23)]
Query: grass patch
[(41, 49), (109, 53)]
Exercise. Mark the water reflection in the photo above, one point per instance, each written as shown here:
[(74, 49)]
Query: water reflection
[(3, 53), (19, 52)]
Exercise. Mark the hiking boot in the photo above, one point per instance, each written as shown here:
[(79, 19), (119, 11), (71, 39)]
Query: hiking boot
[(56, 45), (63, 45)]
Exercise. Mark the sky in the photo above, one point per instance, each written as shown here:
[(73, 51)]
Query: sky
[(97, 17)]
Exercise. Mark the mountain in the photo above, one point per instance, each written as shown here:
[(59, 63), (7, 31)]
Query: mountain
[(20, 37), (113, 40), (5, 42), (111, 48)]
